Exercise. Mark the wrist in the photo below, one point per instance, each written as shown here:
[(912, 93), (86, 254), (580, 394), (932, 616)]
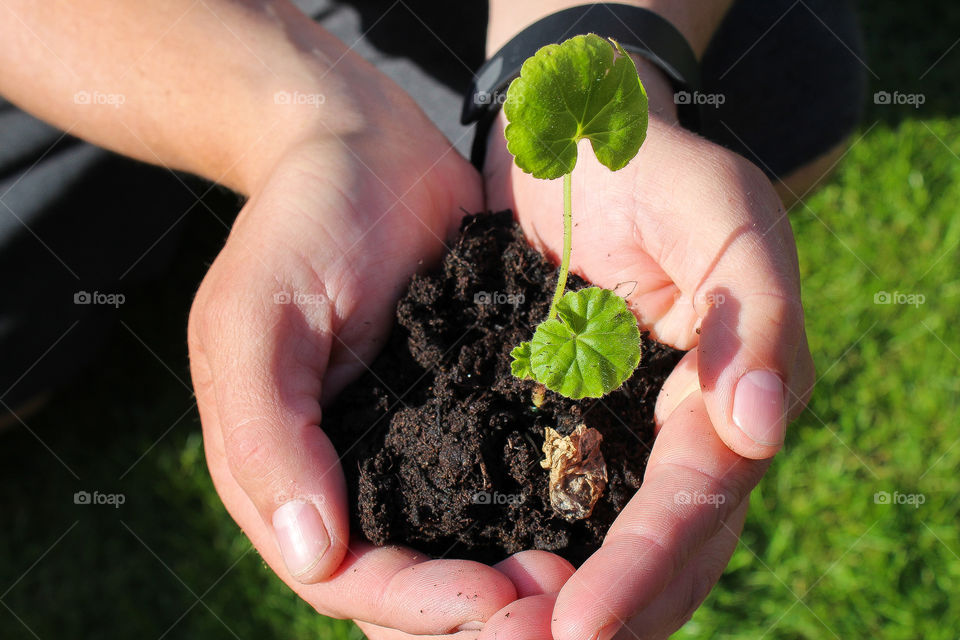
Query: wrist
[(660, 92), (695, 19), (293, 111), (328, 105), (315, 94), (291, 84)]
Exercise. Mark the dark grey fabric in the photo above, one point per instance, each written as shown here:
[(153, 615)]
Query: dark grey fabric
[(75, 218), (794, 83)]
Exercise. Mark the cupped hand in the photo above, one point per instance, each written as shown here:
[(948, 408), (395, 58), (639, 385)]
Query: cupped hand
[(300, 297), (697, 241)]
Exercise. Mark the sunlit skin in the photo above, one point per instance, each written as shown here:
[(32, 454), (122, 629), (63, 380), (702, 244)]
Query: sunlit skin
[(345, 203), (698, 238), (260, 368)]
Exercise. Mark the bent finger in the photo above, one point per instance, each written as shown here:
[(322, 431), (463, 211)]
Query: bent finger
[(524, 619), (536, 572), (692, 485), (677, 603), (389, 586), (260, 359)]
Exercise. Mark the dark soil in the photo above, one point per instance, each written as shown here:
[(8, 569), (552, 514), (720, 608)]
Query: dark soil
[(443, 445)]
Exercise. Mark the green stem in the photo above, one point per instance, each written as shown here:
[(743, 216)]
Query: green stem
[(567, 237)]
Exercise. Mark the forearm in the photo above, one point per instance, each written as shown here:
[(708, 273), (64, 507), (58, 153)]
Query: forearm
[(191, 86), (697, 20)]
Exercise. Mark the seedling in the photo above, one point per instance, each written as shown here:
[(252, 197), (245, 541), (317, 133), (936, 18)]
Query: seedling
[(583, 88)]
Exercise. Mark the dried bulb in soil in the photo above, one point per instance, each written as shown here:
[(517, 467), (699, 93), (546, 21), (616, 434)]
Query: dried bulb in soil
[(578, 472)]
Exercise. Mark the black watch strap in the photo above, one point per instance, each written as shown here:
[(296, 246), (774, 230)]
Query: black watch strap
[(639, 31)]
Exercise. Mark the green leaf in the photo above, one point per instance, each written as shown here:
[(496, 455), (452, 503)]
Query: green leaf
[(581, 88), (588, 351), (520, 366)]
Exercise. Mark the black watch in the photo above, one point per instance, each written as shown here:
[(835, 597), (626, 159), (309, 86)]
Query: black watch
[(639, 31)]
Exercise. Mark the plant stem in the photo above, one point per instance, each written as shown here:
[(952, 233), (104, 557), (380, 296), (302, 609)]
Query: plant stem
[(567, 237)]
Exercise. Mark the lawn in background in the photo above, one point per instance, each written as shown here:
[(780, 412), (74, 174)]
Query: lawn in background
[(835, 544), (854, 532)]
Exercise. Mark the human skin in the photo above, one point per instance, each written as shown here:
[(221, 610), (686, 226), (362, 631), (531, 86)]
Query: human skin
[(346, 200), (702, 238)]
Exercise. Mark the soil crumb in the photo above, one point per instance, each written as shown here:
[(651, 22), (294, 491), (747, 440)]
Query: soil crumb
[(442, 446)]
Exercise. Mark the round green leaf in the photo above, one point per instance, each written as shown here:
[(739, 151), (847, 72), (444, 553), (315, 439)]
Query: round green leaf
[(588, 351), (581, 88)]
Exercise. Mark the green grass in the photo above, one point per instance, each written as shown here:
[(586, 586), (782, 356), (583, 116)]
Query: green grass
[(819, 558)]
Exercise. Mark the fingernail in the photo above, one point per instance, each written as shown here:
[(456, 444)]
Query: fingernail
[(302, 537), (607, 632), (758, 407), (473, 625)]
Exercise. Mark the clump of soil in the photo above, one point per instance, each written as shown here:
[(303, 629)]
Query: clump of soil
[(442, 445)]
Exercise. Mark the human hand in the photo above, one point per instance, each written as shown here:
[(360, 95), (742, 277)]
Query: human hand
[(300, 297), (697, 241)]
